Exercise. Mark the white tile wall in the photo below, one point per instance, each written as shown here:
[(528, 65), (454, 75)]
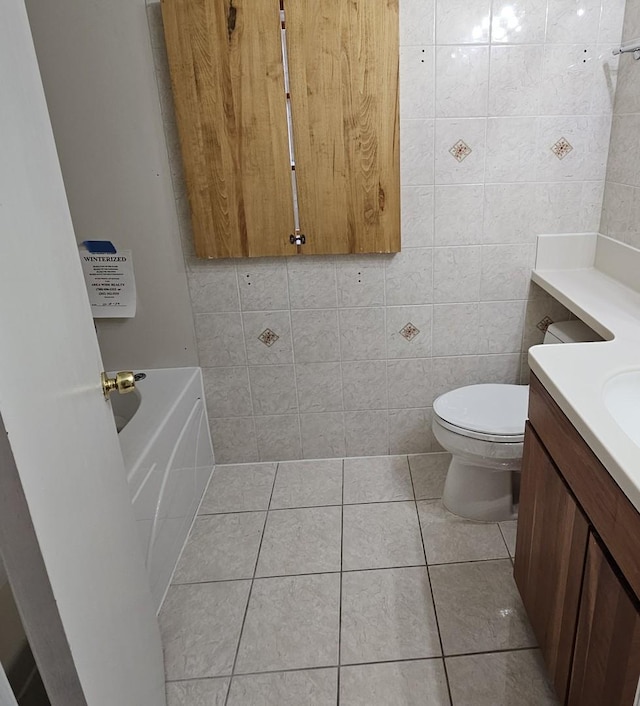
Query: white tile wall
[(365, 385), (507, 27), (316, 337), (319, 387), (458, 213), (273, 389), (255, 324), (417, 216), (417, 74), (516, 79), (488, 87), (462, 88), (312, 282), (621, 208), (360, 281), (419, 345), (278, 437), (366, 433), (452, 372), (456, 274), (362, 334), (323, 435), (470, 169)]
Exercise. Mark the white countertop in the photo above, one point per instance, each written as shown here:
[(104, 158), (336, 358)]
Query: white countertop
[(598, 279)]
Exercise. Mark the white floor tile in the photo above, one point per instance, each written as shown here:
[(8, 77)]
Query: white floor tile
[(304, 541), (239, 488), (381, 535), (312, 687), (387, 615), (377, 479), (449, 538), (419, 683), (291, 623), (200, 625), (221, 547), (308, 484)]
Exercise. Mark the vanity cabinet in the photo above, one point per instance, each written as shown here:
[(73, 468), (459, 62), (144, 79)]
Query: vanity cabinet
[(267, 133), (577, 563), (551, 549), (606, 661)]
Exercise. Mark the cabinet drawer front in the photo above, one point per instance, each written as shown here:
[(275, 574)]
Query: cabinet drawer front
[(606, 662)]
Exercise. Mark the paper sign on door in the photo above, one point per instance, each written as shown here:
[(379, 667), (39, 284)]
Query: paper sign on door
[(110, 283)]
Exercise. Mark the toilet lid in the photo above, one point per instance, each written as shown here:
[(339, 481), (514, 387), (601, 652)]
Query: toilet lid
[(499, 410)]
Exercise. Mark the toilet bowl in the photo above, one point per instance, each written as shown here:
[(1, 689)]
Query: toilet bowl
[(482, 427)]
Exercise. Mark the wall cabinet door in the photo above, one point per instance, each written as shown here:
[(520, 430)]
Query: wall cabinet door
[(550, 554), (226, 69), (343, 59), (606, 663), (228, 78)]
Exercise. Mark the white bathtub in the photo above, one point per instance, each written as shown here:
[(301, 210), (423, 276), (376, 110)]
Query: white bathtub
[(167, 452)]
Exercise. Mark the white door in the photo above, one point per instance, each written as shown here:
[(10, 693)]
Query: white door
[(6, 695), (77, 515)]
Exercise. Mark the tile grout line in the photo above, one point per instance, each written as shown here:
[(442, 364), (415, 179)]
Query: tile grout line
[(340, 604), (341, 361), (309, 507), (294, 363), (504, 539), (246, 357), (433, 600), (457, 655), (386, 349), (335, 459), (253, 579), (447, 302), (347, 571)]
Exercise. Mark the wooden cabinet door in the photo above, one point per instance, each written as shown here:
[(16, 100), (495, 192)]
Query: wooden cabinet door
[(343, 59), (606, 663), (226, 69), (550, 553)]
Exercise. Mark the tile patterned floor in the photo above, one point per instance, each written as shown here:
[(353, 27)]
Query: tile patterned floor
[(346, 583)]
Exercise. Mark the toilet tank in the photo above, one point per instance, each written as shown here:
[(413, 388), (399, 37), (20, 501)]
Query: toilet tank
[(570, 332)]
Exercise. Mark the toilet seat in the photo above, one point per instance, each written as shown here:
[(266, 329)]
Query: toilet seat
[(470, 434), (495, 413)]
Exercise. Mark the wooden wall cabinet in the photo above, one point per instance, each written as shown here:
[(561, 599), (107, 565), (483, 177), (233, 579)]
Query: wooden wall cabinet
[(228, 78), (577, 563)]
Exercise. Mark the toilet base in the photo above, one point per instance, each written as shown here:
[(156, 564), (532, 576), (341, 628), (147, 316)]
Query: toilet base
[(479, 493)]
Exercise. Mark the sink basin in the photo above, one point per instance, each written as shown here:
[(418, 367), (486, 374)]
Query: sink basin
[(622, 400)]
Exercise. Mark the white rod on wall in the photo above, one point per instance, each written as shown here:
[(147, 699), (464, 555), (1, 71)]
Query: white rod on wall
[(632, 47), (296, 238)]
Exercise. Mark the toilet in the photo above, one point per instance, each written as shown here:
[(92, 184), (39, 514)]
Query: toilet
[(482, 427)]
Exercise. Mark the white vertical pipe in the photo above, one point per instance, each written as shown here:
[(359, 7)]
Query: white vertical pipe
[(287, 89)]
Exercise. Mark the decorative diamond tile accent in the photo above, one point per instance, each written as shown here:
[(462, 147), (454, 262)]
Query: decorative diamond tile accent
[(410, 331), (544, 324), (460, 150), (268, 337), (562, 148)]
